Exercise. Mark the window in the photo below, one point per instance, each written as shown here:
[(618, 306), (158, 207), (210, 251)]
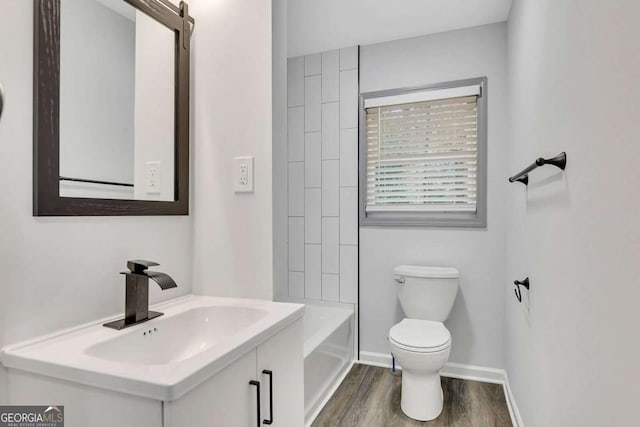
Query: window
[(423, 156)]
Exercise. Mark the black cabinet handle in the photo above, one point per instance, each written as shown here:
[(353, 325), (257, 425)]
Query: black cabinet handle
[(270, 420), (257, 384)]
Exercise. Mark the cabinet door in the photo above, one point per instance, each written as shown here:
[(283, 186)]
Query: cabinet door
[(283, 356), (225, 400)]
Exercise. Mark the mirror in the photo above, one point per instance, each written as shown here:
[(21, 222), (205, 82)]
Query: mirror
[(111, 90), (117, 74)]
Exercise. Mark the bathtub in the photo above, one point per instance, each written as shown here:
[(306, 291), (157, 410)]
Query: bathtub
[(328, 352)]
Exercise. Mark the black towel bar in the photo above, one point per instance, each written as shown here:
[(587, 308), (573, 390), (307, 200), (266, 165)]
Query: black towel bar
[(559, 161)]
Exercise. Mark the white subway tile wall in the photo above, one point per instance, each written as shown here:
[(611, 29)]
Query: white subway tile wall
[(348, 216), (295, 82), (348, 99), (348, 58), (295, 134), (296, 189), (330, 287), (313, 215), (331, 130), (312, 64), (296, 243), (312, 103), (312, 272), (313, 90), (330, 246), (323, 175), (296, 284), (349, 273), (331, 76), (312, 160), (348, 157), (330, 188)]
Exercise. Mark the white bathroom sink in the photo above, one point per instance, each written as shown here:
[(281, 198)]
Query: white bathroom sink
[(163, 358), (176, 338)]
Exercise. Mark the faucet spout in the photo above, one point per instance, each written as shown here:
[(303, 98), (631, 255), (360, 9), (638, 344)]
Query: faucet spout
[(164, 280)]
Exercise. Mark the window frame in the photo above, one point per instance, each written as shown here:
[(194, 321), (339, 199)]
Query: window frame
[(426, 218)]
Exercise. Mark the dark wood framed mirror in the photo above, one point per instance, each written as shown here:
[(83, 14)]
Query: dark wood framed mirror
[(111, 107)]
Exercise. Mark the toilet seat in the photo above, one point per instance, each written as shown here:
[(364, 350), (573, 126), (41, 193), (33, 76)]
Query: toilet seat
[(421, 336)]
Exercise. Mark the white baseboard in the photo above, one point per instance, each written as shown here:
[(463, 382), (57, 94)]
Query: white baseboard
[(375, 359), (473, 373), (461, 371), (451, 369), (511, 403)]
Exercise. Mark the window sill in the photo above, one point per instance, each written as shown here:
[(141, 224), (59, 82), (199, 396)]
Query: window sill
[(423, 219)]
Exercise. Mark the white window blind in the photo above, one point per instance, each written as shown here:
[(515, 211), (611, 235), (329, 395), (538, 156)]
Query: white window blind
[(422, 155)]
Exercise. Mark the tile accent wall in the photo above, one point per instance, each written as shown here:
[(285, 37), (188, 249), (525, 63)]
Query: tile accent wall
[(323, 175)]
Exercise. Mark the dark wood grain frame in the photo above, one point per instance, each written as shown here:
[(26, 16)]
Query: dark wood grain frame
[(46, 121)]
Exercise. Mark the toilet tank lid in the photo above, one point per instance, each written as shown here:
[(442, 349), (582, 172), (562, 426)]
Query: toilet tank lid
[(428, 272)]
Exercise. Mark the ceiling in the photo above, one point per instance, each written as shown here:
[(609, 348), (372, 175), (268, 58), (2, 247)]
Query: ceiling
[(320, 25)]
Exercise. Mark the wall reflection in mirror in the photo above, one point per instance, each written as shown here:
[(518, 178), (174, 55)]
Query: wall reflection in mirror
[(117, 89)]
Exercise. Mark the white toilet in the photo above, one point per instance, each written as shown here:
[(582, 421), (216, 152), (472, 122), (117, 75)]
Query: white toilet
[(420, 343)]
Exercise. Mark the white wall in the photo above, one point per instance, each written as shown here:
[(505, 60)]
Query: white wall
[(572, 359), (476, 322), (58, 272), (231, 70)]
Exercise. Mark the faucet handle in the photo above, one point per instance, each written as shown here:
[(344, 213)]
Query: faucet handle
[(138, 266)]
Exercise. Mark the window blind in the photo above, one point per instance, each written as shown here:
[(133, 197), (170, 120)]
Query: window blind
[(422, 155)]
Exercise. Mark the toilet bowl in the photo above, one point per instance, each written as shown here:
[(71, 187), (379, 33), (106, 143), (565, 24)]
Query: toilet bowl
[(421, 348), (420, 343)]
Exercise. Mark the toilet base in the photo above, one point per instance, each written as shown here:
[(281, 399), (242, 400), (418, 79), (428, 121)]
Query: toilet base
[(421, 396)]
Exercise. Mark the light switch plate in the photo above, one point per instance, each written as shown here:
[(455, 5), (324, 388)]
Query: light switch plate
[(243, 174)]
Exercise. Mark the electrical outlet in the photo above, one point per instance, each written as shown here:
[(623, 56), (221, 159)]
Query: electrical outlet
[(243, 174), (154, 178)]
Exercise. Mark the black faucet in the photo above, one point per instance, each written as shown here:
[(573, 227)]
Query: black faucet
[(136, 308)]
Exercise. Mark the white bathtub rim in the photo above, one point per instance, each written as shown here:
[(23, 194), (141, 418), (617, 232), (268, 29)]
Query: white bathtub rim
[(312, 342), (316, 302)]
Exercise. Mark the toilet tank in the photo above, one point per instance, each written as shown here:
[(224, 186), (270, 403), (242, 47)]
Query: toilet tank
[(426, 293)]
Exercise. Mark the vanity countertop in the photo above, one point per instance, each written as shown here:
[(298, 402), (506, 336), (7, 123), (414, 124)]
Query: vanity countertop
[(160, 359)]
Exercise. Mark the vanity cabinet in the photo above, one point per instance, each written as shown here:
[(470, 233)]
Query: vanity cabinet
[(224, 400), (228, 398)]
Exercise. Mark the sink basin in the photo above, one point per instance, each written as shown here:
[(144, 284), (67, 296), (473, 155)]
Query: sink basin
[(162, 358), (179, 337)]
